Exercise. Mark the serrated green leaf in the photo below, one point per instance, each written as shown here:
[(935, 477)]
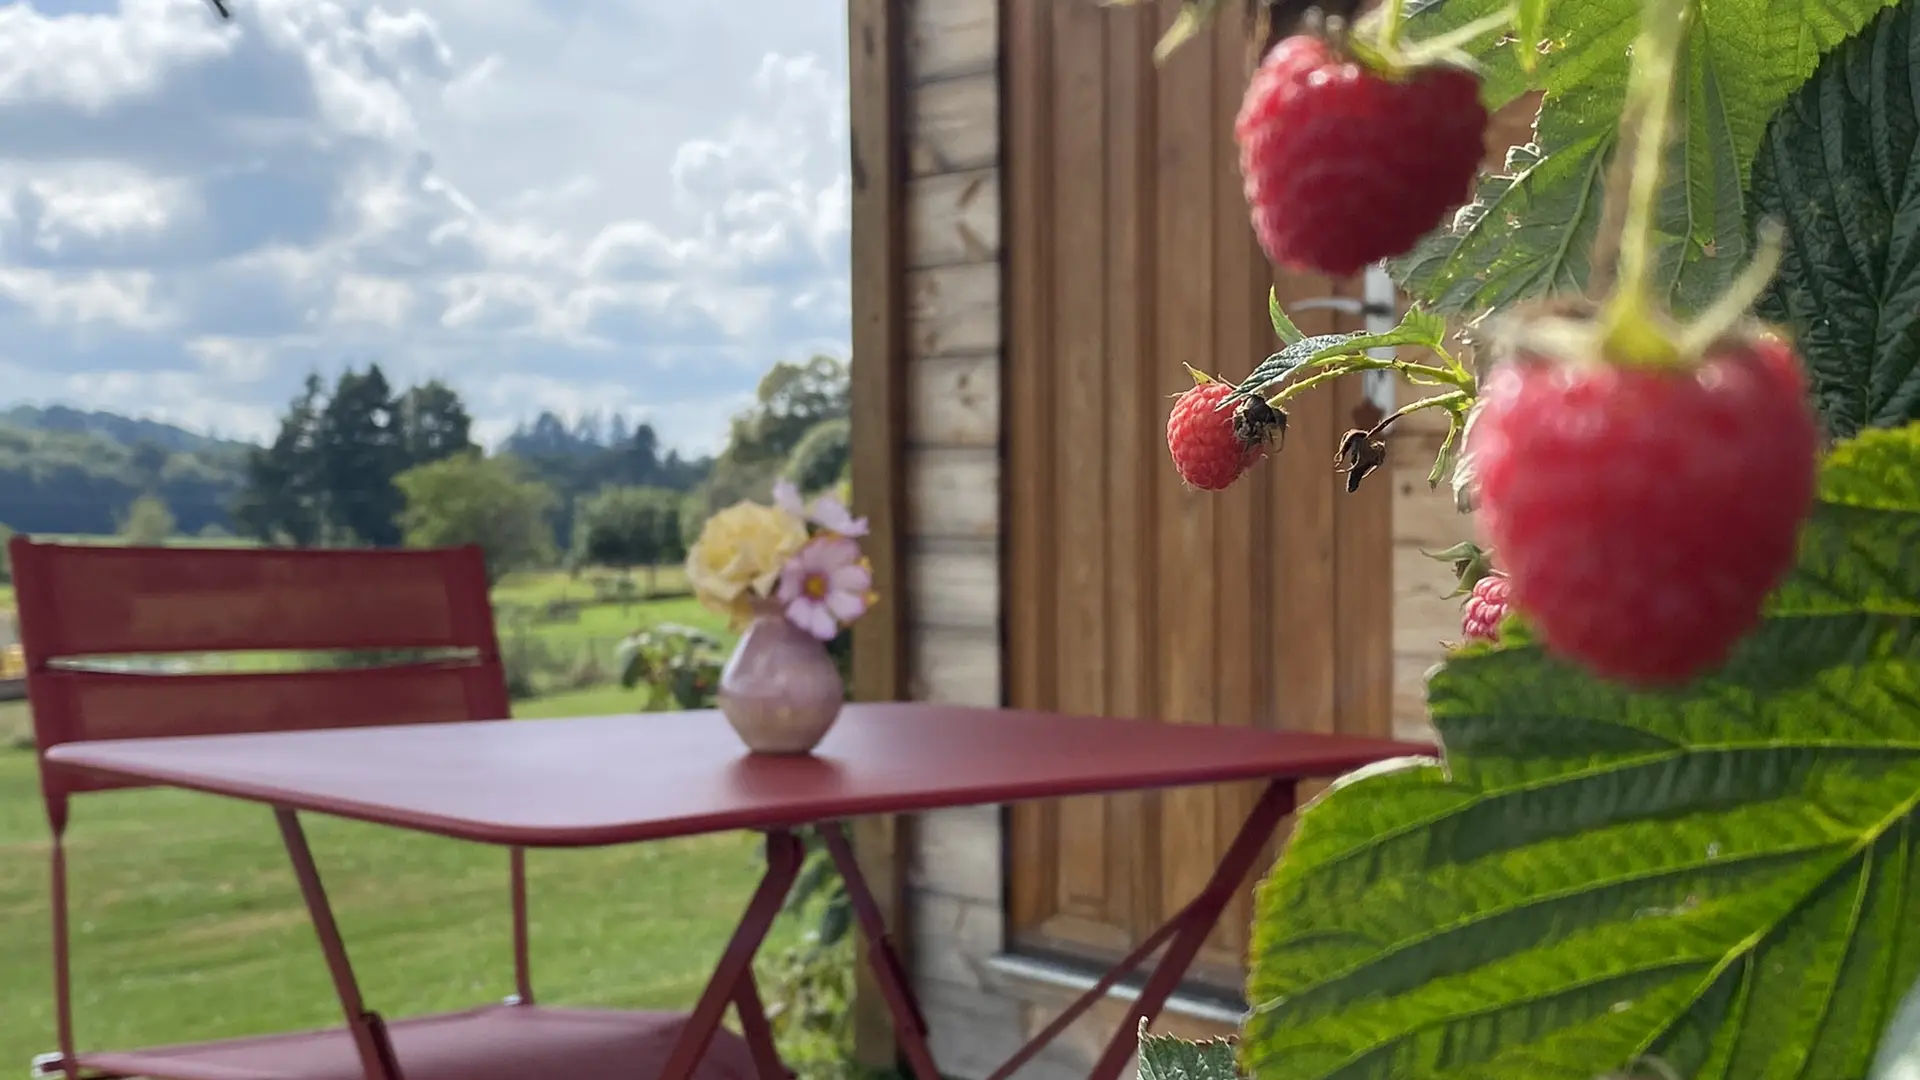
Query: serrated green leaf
[(1837, 170), (1418, 327), (1283, 327), (1724, 878), (1164, 1057), (1300, 354), (1530, 231)]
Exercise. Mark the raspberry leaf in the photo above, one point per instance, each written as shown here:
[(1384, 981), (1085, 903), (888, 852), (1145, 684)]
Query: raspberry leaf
[(1418, 327), (1723, 879), (1164, 1057), (1283, 327), (1834, 169), (1531, 228)]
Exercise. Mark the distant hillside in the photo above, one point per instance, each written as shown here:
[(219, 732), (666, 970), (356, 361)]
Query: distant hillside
[(125, 430), (65, 470)]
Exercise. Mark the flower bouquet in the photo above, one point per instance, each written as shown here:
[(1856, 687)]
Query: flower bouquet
[(792, 576)]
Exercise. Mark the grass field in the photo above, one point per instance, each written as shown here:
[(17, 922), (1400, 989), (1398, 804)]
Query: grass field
[(600, 622), (188, 923)]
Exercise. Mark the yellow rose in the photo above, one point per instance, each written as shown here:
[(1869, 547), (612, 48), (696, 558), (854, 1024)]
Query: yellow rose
[(740, 554)]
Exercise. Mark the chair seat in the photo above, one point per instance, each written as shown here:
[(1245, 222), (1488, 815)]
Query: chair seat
[(501, 1042)]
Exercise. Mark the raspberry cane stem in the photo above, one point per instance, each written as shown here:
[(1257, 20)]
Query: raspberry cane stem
[(1392, 14), (1454, 375), (1453, 401), (1632, 317)]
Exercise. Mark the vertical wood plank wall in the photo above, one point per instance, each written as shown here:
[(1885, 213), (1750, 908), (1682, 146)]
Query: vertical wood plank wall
[(1047, 555), (1129, 254), (878, 121)]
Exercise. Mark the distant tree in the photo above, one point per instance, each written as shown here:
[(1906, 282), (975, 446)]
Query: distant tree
[(213, 531), (472, 499), (284, 497), (361, 451), (149, 462), (148, 521), (730, 482), (434, 423), (78, 478), (581, 458), (329, 474), (6, 561), (822, 455), (623, 527), (790, 400), (673, 542), (548, 436)]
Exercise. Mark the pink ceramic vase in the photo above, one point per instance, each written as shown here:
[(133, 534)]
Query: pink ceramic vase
[(780, 690)]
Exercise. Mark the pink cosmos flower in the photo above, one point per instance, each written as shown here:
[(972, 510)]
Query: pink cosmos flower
[(825, 586), (826, 512)]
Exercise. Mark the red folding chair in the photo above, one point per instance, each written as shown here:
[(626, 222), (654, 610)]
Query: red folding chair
[(79, 605)]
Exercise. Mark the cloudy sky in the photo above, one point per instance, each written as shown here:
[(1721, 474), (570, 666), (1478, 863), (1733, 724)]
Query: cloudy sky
[(552, 204)]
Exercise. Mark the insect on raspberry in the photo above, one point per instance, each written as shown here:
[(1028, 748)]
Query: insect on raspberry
[(1214, 444)]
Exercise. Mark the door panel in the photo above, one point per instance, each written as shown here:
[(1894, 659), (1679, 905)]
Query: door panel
[(1129, 253)]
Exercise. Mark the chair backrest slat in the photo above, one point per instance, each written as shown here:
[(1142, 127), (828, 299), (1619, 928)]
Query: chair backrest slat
[(85, 602), (108, 705)]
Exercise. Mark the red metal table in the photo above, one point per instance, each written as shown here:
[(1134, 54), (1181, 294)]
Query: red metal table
[(622, 779)]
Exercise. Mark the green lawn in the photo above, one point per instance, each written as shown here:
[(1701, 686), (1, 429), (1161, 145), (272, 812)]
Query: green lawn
[(188, 923)]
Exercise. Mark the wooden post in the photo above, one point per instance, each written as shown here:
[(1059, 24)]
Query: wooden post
[(877, 113)]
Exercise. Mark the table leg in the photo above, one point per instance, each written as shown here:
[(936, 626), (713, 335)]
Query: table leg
[(757, 1031), (1196, 921), (369, 1031), (908, 1022), (784, 855), (1183, 935)]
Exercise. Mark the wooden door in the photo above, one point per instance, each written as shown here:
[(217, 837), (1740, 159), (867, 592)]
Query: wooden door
[(1129, 252)]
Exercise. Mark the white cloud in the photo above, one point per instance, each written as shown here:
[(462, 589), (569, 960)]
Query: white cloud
[(76, 299), (567, 206), (358, 298), (179, 397), (91, 61), (232, 360)]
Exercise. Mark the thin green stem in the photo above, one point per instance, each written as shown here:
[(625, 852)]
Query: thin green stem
[(1392, 14), (1295, 389), (1461, 380), (1453, 365), (1631, 333), (1452, 401)]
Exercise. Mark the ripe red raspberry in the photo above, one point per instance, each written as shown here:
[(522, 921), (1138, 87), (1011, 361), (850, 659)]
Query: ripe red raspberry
[(1486, 605), (1641, 514), (1212, 446), (1344, 166)]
